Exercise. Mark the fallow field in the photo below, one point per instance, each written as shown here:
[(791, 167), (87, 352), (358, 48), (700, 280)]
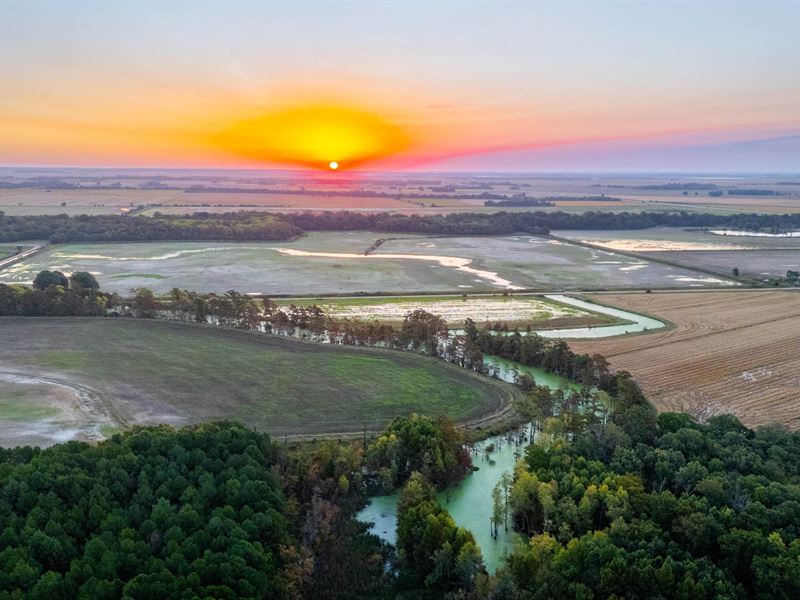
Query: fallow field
[(85, 377), (730, 351)]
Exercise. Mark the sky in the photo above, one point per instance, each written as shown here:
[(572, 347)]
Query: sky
[(489, 86)]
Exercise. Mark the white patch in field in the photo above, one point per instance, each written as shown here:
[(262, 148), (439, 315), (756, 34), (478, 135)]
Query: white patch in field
[(455, 262), (661, 245), (456, 310)]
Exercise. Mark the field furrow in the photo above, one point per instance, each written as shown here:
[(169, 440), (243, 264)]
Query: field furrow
[(728, 351)]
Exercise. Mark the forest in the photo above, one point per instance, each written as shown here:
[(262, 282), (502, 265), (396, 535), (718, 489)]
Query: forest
[(641, 506), (209, 511), (659, 507)]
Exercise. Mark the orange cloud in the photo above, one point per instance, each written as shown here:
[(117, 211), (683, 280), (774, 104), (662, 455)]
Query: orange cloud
[(314, 136)]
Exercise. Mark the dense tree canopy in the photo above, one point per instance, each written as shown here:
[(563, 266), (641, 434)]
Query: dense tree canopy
[(150, 514), (55, 300), (82, 279), (660, 508), (418, 444), (44, 279), (435, 554)]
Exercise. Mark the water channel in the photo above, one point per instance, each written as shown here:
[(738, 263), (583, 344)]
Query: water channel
[(470, 502)]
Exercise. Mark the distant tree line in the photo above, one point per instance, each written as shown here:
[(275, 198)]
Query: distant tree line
[(264, 226), (753, 192), (525, 200), (443, 193), (241, 226)]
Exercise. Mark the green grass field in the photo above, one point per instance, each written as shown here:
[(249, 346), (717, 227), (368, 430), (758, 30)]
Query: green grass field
[(161, 372)]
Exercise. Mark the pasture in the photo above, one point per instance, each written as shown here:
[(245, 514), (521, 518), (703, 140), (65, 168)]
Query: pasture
[(729, 351), (82, 378)]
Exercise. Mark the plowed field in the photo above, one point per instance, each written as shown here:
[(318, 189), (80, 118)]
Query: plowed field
[(730, 351)]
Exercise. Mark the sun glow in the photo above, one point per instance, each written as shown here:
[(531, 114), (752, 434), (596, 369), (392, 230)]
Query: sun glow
[(310, 135)]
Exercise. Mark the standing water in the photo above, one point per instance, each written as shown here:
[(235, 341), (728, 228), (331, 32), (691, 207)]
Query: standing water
[(469, 503)]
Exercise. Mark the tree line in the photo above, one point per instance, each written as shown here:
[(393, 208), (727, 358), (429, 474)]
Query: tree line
[(265, 226), (53, 294), (241, 226)]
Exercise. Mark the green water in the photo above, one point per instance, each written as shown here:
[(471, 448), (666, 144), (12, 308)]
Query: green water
[(507, 370), (470, 502)]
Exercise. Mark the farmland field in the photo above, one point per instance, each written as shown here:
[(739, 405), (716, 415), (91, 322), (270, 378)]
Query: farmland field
[(82, 378), (169, 191), (730, 351), (757, 264)]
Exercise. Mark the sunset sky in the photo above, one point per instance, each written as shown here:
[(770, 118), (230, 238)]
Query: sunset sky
[(413, 85)]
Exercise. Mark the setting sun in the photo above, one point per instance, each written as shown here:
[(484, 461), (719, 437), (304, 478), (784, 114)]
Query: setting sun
[(310, 135)]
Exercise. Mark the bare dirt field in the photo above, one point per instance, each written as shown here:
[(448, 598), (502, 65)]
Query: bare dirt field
[(730, 351)]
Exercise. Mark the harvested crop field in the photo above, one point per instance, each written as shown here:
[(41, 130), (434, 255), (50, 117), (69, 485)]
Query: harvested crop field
[(730, 351), (80, 377)]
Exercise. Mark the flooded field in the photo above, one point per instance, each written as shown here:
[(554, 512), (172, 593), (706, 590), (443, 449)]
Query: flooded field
[(40, 410), (542, 263), (335, 263), (669, 239), (516, 309), (756, 255)]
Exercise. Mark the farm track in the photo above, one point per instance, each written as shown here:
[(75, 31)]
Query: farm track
[(15, 258), (733, 351)]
